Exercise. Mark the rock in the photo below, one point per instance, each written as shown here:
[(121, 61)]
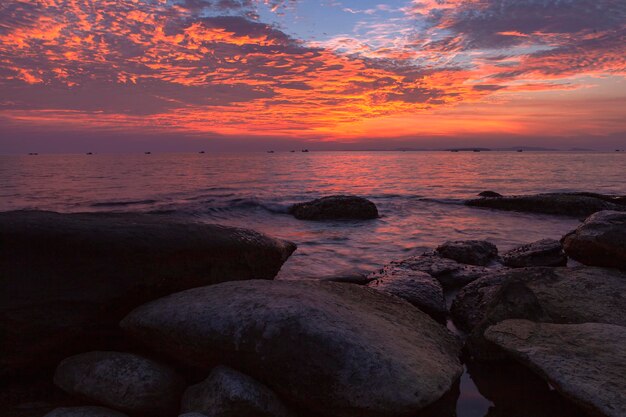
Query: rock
[(67, 279), (84, 412), (585, 362), (448, 272), (122, 381), (471, 252), (559, 295), (227, 392), (338, 207), (416, 287), (547, 252), (336, 349), (193, 415), (566, 204), (490, 194), (600, 240)]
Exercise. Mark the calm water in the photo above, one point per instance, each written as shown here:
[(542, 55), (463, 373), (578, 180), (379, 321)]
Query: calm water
[(419, 195)]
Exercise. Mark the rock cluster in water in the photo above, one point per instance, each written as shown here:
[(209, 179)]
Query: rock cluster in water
[(565, 204), (217, 341)]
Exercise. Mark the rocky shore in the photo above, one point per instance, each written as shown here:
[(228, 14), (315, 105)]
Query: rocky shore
[(148, 315)]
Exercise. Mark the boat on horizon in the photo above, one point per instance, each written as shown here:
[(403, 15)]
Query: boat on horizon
[(148, 153), (305, 150)]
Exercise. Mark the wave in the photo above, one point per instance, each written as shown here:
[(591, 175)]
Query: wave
[(122, 203)]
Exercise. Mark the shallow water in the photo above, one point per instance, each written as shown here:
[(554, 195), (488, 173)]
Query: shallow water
[(419, 195)]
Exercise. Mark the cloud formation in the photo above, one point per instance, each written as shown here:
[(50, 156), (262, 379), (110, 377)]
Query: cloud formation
[(212, 66)]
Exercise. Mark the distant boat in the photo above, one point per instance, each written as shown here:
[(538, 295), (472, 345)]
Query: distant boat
[(33, 153), (201, 152), (454, 150), (476, 150), (270, 151), (89, 153), (292, 151), (305, 150), (148, 153), (520, 150)]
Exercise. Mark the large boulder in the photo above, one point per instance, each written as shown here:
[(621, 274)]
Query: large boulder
[(566, 204), (471, 252), (600, 240), (336, 349), (123, 381), (84, 412), (546, 252), (67, 279), (228, 393), (559, 295), (418, 288), (337, 207), (585, 362), (448, 272)]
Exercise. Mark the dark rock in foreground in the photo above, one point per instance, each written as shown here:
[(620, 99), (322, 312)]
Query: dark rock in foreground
[(585, 362), (84, 412), (546, 252), (338, 207), (335, 349), (67, 279), (600, 240), (122, 381), (471, 252), (227, 392), (417, 287), (448, 272), (566, 204), (559, 295)]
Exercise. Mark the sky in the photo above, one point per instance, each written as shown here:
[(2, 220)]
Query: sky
[(116, 75)]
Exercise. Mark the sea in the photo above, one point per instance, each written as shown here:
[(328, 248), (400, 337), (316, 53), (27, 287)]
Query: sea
[(419, 195)]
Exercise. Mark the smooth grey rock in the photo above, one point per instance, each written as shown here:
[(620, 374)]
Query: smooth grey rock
[(585, 362), (600, 240), (123, 381), (417, 287), (448, 272), (227, 392), (67, 279), (559, 295), (546, 252), (84, 412), (335, 349), (566, 204), (337, 207), (471, 252)]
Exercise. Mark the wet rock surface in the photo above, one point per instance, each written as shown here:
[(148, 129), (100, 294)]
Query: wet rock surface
[(560, 295), (67, 279), (84, 412), (585, 362), (600, 240), (319, 345), (123, 381), (227, 392), (471, 252), (418, 288), (566, 204), (546, 252), (450, 274), (339, 207)]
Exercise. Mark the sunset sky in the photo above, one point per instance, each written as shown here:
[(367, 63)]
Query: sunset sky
[(115, 75)]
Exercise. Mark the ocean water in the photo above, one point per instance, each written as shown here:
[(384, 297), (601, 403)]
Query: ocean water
[(419, 196)]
